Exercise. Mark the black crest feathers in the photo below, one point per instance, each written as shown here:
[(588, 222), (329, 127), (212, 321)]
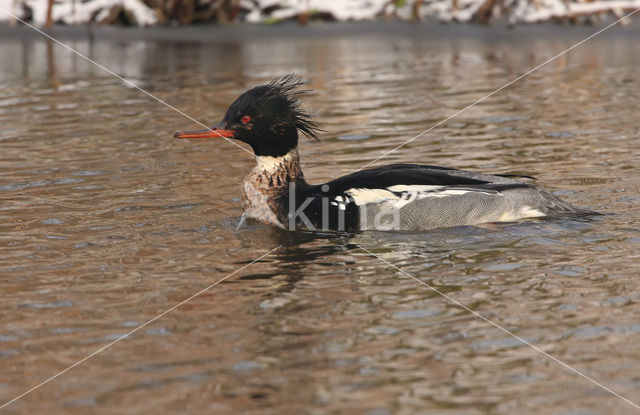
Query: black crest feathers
[(286, 89)]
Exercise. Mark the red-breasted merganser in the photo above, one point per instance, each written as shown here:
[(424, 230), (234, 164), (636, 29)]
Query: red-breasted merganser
[(393, 197)]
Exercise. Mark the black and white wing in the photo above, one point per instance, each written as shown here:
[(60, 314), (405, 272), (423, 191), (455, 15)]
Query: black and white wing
[(419, 197)]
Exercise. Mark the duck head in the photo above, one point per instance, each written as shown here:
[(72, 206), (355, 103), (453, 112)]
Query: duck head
[(267, 117)]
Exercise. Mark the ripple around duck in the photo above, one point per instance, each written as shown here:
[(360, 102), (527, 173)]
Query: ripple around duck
[(105, 222)]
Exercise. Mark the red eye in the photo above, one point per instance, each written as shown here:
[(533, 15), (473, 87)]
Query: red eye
[(245, 119)]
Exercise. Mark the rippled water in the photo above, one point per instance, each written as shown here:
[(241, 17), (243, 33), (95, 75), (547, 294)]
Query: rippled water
[(106, 221)]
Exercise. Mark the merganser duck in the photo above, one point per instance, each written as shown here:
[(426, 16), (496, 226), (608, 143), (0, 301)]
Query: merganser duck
[(409, 197)]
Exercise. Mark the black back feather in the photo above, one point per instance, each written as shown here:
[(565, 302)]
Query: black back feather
[(413, 174)]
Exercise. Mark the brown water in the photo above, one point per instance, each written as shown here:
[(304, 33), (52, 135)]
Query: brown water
[(106, 221)]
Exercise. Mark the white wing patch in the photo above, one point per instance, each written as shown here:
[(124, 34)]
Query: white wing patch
[(364, 196), (400, 195), (339, 203), (413, 188)]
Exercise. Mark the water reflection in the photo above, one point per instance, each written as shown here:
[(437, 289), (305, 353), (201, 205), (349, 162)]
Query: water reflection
[(105, 222)]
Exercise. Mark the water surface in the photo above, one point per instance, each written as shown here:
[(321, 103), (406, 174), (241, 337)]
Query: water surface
[(106, 221)]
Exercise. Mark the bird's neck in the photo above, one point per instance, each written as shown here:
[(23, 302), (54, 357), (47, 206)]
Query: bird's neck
[(277, 173)]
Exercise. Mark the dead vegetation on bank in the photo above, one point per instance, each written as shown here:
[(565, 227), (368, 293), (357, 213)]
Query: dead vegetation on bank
[(187, 12)]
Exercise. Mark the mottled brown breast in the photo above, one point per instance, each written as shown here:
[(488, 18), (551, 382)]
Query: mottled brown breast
[(265, 191)]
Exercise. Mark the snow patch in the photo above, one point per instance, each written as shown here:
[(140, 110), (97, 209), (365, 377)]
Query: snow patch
[(76, 12)]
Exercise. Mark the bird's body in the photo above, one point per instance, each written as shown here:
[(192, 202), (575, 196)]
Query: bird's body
[(409, 197)]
